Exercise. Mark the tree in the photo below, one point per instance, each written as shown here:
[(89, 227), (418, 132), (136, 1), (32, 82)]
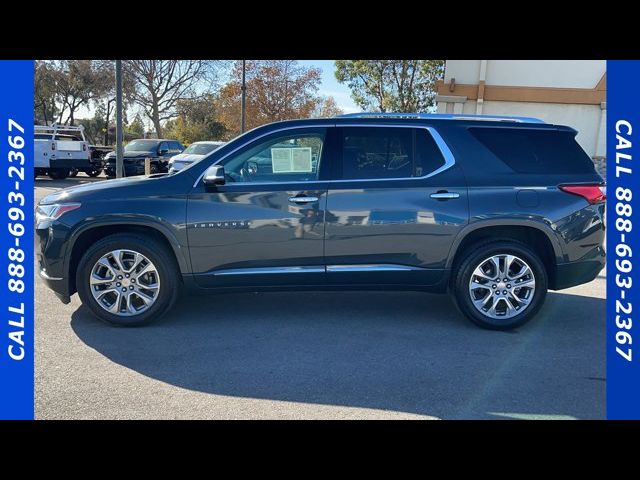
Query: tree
[(62, 87), (160, 84), (328, 108), (391, 85), (197, 120), (276, 90), (135, 128), (45, 95), (77, 83)]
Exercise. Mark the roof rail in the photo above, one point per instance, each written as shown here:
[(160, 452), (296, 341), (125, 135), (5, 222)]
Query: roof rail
[(443, 116), (55, 126)]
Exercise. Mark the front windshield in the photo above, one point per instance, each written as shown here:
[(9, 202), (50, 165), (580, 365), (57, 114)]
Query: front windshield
[(201, 148), (141, 146)]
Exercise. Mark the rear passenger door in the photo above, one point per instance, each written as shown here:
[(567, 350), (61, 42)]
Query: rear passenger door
[(396, 202)]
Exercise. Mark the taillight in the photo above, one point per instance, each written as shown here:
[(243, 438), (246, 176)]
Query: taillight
[(53, 145), (84, 147), (591, 193)]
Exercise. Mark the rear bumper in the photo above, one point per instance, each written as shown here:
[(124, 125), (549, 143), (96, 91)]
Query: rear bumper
[(70, 163), (579, 272)]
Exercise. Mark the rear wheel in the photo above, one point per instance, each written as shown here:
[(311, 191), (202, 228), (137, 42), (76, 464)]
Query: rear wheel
[(500, 285), (58, 173), (128, 279), (93, 173), (73, 172)]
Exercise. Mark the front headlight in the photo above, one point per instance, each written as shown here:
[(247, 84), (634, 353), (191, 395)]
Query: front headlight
[(54, 211)]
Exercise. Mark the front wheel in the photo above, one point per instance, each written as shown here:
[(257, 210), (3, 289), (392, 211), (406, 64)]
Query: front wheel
[(93, 173), (128, 279), (500, 285)]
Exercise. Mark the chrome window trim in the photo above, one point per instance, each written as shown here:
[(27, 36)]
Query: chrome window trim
[(447, 154)]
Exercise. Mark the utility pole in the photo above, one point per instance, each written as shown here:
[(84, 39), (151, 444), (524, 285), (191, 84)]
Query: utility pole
[(119, 150), (244, 96)]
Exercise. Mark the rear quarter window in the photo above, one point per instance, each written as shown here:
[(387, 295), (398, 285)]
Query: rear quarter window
[(535, 151)]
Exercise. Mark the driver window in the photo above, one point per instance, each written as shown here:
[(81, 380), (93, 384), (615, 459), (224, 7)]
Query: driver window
[(292, 157)]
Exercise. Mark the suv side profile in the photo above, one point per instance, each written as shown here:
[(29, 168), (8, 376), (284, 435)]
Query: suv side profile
[(494, 210)]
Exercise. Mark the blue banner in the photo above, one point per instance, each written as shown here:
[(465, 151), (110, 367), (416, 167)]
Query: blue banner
[(623, 323), (16, 239)]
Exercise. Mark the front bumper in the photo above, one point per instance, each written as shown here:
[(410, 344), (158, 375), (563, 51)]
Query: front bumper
[(60, 286), (130, 169), (51, 242)]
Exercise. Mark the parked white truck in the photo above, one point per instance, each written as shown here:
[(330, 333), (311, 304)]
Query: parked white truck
[(58, 149)]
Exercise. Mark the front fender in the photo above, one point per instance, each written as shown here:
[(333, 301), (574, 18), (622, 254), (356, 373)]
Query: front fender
[(163, 227)]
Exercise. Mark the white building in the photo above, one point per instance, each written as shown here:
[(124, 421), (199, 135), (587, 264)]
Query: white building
[(565, 92)]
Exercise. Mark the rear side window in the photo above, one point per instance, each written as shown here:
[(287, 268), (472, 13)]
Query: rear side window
[(382, 153), (535, 151), (428, 155)]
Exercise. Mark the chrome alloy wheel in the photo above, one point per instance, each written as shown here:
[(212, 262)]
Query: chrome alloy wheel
[(124, 282), (502, 286)]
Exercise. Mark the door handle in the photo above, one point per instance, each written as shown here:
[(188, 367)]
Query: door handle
[(445, 195), (303, 199)]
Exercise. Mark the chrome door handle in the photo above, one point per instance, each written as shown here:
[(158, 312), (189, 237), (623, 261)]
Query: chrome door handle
[(444, 195), (303, 199)]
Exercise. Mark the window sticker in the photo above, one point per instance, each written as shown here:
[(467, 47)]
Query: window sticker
[(291, 160)]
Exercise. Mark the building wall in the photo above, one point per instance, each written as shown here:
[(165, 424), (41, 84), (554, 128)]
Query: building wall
[(565, 92)]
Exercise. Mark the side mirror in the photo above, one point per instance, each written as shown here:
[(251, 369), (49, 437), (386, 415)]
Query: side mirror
[(214, 175), (163, 151)]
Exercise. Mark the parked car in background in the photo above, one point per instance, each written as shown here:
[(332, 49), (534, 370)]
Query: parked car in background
[(58, 149), (494, 210), (194, 152), (135, 152), (96, 160)]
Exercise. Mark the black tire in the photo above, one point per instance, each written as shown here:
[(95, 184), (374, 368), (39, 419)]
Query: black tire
[(472, 257), (93, 173), (58, 173), (156, 252), (73, 172)]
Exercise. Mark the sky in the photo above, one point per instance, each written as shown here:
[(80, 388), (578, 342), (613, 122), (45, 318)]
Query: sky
[(331, 87)]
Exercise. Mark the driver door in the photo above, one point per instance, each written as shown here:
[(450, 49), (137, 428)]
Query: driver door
[(265, 225)]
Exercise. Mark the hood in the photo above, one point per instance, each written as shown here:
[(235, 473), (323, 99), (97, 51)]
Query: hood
[(105, 188), (187, 157)]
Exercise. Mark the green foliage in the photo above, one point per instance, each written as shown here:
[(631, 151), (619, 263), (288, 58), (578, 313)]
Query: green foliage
[(391, 85), (197, 120), (45, 103), (136, 128)]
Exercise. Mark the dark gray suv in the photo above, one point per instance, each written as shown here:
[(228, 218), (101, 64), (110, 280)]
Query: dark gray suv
[(494, 210)]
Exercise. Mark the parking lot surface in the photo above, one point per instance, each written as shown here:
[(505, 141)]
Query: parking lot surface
[(320, 355)]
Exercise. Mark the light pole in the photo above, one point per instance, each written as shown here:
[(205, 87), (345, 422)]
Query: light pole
[(119, 151), (244, 97)]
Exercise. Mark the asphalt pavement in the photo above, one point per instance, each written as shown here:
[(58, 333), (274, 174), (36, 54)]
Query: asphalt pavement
[(320, 355)]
